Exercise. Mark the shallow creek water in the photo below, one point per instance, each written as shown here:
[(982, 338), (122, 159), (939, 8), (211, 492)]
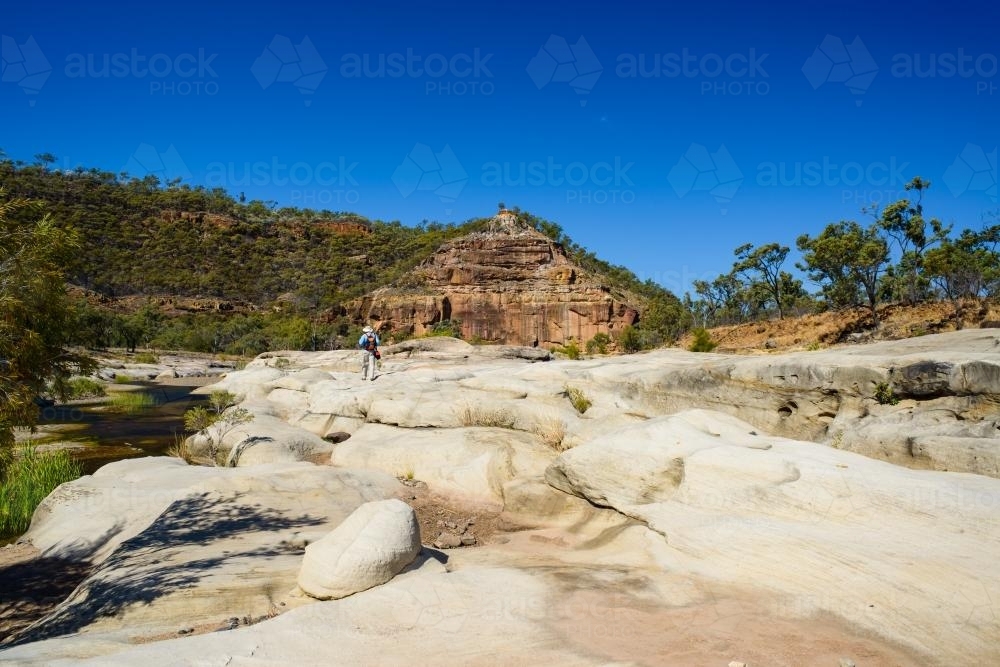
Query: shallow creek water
[(96, 434)]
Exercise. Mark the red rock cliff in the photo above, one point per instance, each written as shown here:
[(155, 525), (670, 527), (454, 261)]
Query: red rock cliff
[(513, 286)]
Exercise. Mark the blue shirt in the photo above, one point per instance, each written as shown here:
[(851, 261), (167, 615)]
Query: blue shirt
[(363, 341)]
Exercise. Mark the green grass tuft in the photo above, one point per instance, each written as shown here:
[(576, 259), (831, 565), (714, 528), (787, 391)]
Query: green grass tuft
[(579, 400), (131, 402), (26, 478), (84, 388)]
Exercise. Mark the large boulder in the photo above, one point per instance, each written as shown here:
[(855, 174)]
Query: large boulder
[(472, 464), (369, 548), (266, 438)]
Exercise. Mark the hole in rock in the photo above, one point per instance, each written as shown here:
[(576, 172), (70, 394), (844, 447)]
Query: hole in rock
[(787, 409)]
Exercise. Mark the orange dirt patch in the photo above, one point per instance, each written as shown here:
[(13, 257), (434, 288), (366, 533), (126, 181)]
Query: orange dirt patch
[(435, 513), (739, 628), (832, 328)]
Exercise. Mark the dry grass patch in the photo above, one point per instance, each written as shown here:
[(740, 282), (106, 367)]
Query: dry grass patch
[(552, 432), (494, 417)]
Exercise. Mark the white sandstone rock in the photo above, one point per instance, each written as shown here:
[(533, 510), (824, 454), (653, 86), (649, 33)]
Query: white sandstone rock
[(368, 549)]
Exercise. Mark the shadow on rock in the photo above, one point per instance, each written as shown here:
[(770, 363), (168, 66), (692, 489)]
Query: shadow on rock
[(30, 589), (152, 565)]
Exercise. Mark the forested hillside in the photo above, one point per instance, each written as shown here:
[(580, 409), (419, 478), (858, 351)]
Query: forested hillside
[(141, 237)]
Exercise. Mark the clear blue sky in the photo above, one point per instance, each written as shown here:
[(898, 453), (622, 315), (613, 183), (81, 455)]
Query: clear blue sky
[(853, 97)]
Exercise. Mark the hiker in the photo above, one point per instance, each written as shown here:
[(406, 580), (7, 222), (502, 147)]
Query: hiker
[(369, 343)]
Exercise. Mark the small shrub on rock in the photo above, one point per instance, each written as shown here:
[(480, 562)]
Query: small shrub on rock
[(579, 400), (702, 341), (629, 340), (571, 350), (598, 344), (885, 395)]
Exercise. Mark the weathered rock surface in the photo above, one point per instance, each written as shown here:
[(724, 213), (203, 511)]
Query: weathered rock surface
[(369, 548), (513, 286), (701, 510), (736, 505), (471, 463), (949, 385), (166, 367), (173, 544)]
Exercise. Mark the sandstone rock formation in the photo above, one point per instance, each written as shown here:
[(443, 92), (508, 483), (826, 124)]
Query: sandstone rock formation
[(735, 502), (948, 386), (511, 285), (703, 510), (173, 545), (166, 367), (369, 548)]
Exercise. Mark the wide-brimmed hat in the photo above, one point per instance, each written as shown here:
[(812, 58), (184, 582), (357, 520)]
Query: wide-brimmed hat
[(367, 330)]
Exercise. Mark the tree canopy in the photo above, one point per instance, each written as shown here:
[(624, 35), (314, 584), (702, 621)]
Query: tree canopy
[(34, 310)]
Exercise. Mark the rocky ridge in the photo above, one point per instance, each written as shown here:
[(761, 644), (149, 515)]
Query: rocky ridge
[(512, 285)]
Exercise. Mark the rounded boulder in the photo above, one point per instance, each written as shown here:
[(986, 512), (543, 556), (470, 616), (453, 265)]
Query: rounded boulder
[(369, 548)]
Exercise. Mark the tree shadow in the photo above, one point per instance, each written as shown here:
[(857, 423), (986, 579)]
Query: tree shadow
[(145, 567), (30, 589)]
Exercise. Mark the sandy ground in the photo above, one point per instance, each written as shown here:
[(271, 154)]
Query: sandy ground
[(737, 628)]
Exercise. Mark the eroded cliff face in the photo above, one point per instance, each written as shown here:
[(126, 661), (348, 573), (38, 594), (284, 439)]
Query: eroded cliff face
[(515, 287)]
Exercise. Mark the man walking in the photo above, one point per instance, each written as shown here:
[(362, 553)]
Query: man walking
[(368, 343)]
